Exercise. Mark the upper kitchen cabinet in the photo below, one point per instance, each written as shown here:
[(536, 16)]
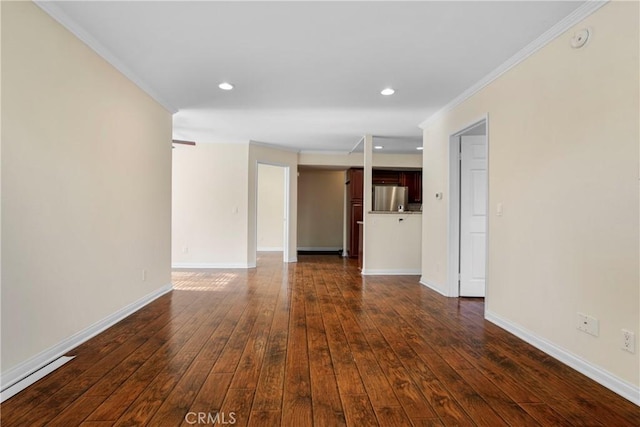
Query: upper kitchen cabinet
[(403, 178), (385, 177), (413, 180), (355, 178)]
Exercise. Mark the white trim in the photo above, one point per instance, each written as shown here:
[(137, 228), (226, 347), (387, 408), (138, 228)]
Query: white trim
[(270, 249), (29, 366), (16, 388), (286, 214), (586, 9), (327, 153), (453, 217), (198, 265), (433, 287), (357, 143), (77, 30), (623, 388), (294, 259), (405, 272), (319, 248)]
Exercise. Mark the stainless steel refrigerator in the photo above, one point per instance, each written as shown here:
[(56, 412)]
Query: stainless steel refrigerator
[(390, 198)]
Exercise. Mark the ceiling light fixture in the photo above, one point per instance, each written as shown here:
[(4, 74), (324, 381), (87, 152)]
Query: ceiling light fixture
[(378, 147), (225, 86), (387, 91), (419, 148)]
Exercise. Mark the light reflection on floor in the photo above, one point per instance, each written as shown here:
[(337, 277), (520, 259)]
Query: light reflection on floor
[(201, 281)]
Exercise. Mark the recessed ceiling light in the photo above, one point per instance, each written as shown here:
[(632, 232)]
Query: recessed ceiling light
[(387, 91), (419, 148), (378, 147), (225, 86)]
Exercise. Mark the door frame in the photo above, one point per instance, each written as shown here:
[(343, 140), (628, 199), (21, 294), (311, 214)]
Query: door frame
[(453, 230), (287, 192)]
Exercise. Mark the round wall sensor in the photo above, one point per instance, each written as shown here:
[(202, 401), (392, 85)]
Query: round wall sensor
[(580, 38)]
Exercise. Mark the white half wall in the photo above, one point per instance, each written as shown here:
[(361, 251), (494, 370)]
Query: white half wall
[(210, 206), (270, 208), (393, 244), (564, 164), (86, 191)]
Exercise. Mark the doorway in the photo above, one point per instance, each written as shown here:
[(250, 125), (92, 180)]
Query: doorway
[(272, 194), (468, 186)]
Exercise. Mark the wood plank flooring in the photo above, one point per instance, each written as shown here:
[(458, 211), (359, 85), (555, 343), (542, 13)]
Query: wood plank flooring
[(311, 344)]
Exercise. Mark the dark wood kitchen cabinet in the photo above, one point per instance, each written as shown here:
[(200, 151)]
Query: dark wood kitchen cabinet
[(385, 177), (355, 182), (413, 180), (356, 216), (355, 178)]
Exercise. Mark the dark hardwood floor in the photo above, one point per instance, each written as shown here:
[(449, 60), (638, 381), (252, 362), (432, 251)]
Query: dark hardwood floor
[(311, 343)]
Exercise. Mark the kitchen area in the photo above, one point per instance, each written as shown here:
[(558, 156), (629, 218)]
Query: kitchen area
[(381, 209), (395, 219)]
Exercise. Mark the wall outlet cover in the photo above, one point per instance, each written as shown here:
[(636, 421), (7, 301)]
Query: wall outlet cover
[(628, 341)]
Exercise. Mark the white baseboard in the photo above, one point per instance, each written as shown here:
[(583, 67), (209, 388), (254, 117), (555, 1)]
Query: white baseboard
[(432, 287), (406, 272), (270, 249), (601, 376), (198, 265), (293, 259), (319, 248), (17, 387), (22, 370)]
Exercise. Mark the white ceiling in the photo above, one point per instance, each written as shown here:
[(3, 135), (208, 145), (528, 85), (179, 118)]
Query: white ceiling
[(307, 75)]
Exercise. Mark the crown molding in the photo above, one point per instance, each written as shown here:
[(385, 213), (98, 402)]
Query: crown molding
[(77, 30), (589, 7), (326, 153)]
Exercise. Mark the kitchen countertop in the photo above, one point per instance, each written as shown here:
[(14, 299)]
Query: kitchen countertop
[(395, 212)]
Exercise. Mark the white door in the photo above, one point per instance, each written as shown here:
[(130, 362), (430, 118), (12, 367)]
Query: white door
[(473, 215)]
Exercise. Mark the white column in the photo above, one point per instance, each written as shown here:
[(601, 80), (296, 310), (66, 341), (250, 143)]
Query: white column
[(367, 195)]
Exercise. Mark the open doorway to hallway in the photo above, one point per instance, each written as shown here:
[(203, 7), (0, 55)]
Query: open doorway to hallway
[(271, 227), (321, 201)]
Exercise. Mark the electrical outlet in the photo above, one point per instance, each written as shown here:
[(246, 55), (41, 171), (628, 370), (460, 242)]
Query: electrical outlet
[(628, 341), (582, 322), (588, 324), (185, 249), (144, 275)]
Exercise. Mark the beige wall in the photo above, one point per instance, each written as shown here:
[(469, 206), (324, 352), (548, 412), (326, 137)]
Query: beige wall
[(397, 160), (320, 209), (270, 208), (563, 161), (357, 160), (215, 203), (86, 175), (209, 227), (289, 160), (331, 159)]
